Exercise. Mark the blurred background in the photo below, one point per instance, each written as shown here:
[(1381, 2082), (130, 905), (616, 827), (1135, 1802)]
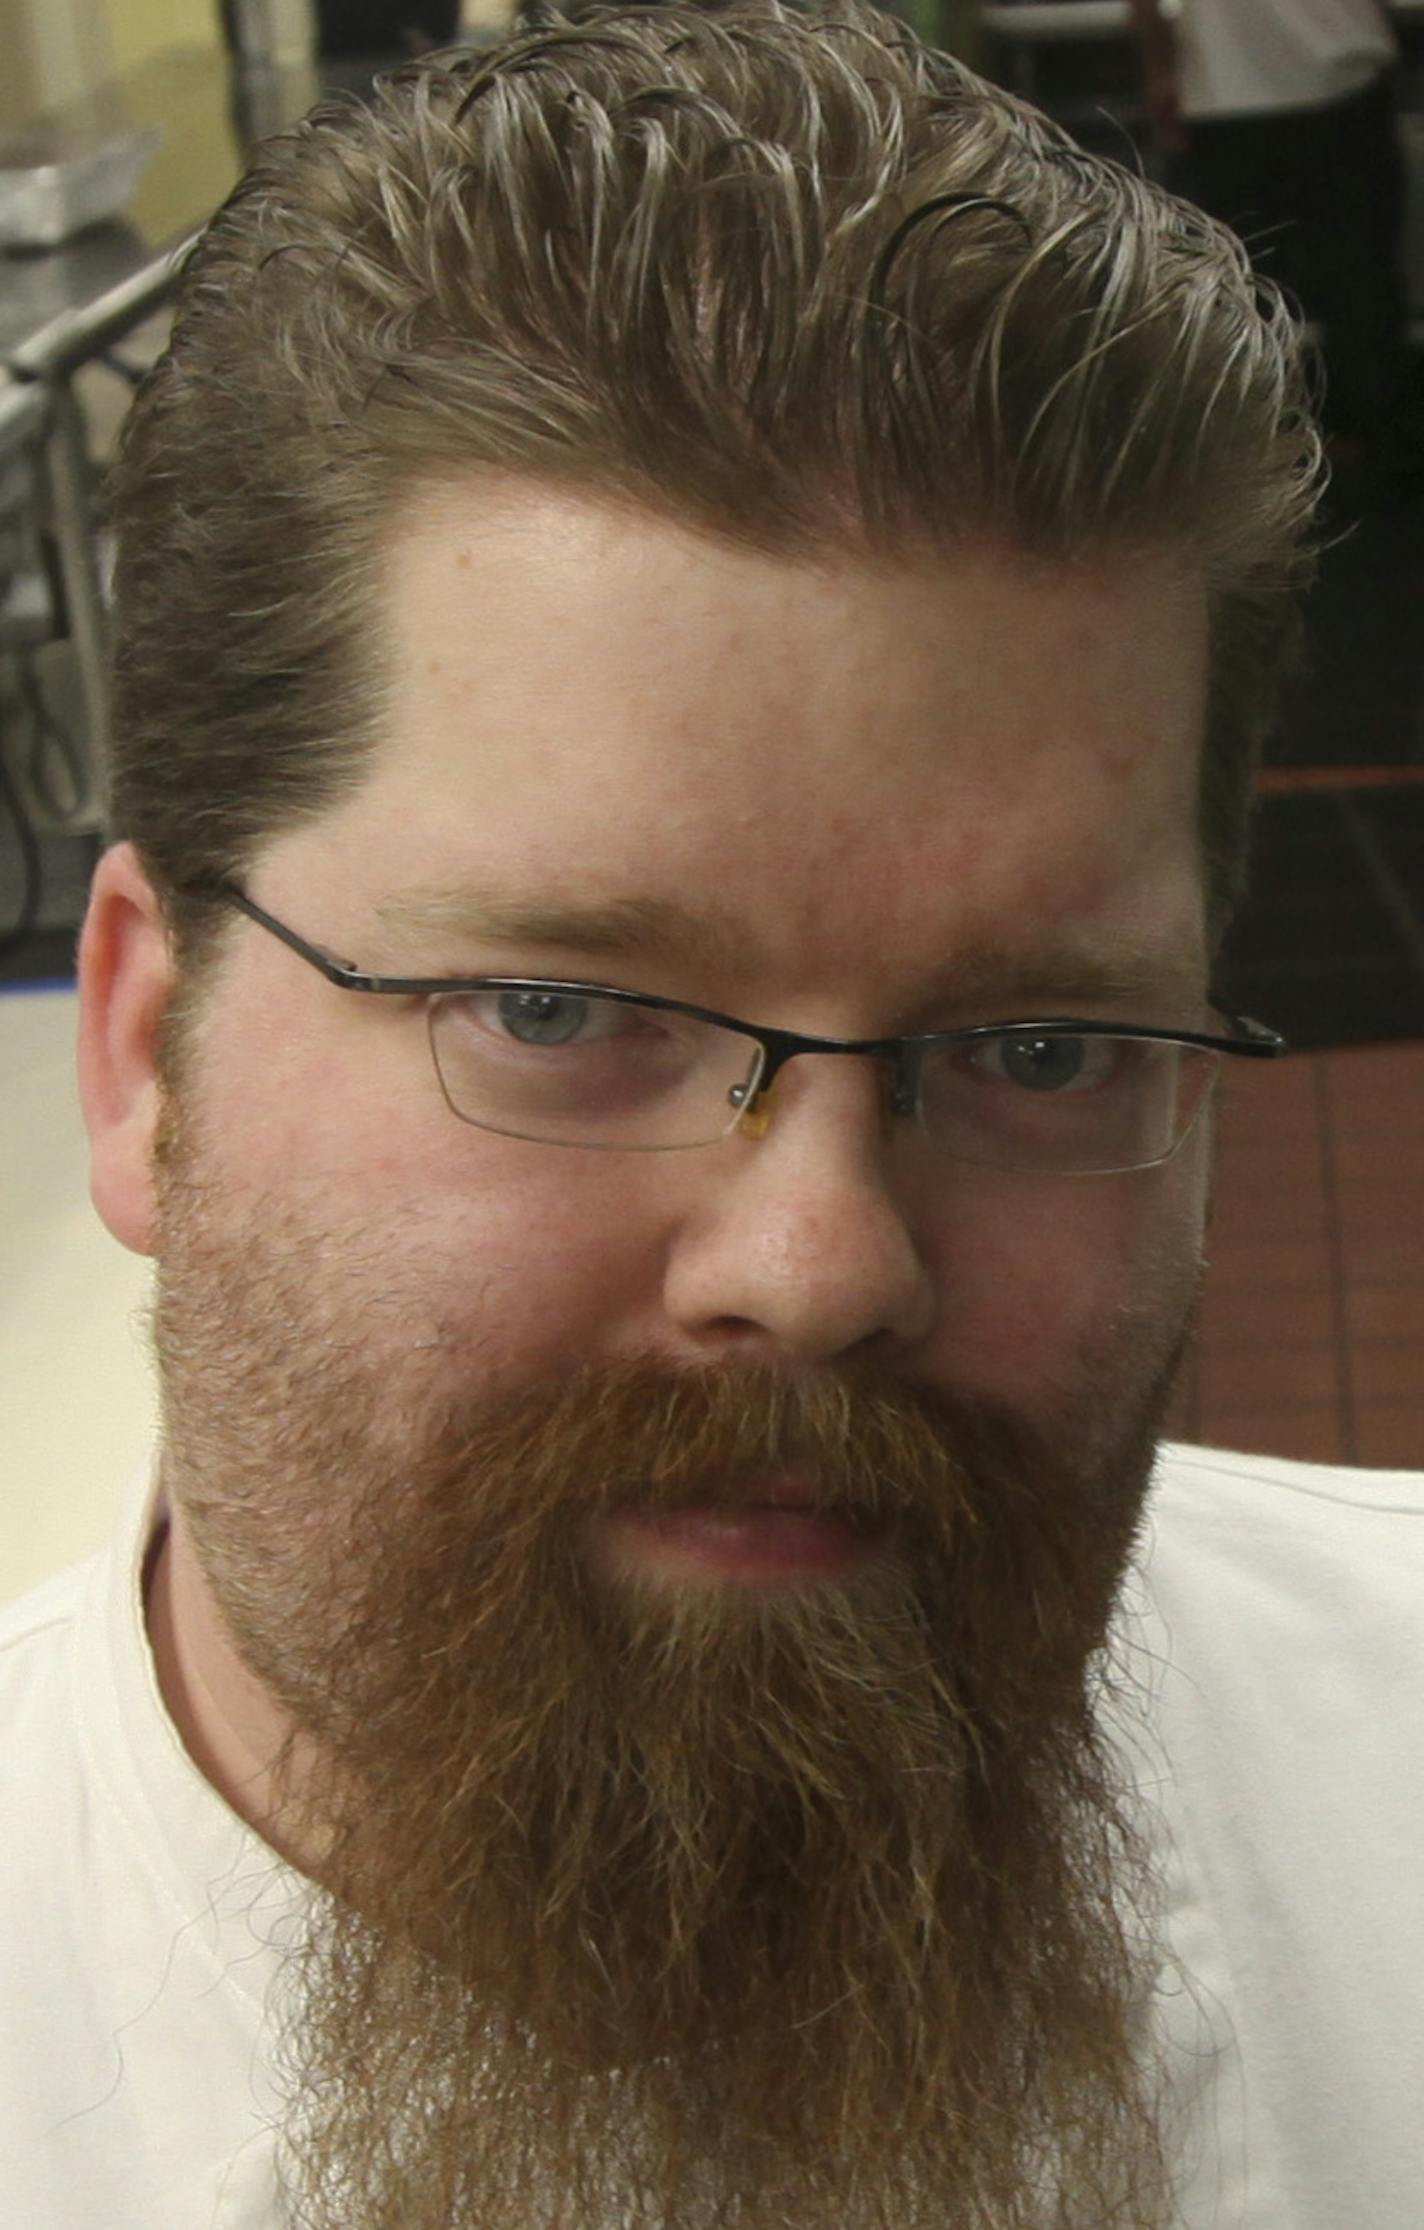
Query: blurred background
[(124, 122)]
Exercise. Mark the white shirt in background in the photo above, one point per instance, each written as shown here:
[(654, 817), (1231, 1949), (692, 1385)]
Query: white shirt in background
[(1237, 57)]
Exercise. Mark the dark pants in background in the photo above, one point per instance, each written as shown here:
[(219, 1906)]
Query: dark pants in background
[(386, 26)]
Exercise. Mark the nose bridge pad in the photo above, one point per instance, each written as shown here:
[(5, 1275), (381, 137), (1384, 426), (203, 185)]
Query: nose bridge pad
[(758, 1107), (755, 1099), (900, 1070)]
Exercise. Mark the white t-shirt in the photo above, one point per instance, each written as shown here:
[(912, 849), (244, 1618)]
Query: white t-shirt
[(1237, 57), (1276, 1627)]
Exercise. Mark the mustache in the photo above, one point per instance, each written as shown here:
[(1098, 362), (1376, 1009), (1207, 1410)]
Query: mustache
[(1015, 1541), (647, 1435)]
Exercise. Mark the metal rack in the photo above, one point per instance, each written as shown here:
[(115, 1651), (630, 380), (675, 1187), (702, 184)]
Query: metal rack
[(66, 307)]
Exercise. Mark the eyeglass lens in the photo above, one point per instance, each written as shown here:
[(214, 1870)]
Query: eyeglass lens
[(571, 1069), (590, 1072)]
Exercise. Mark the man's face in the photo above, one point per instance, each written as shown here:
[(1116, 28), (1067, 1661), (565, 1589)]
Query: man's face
[(450, 1413), (882, 801)]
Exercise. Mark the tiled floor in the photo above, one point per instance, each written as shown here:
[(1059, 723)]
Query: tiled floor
[(1312, 1336)]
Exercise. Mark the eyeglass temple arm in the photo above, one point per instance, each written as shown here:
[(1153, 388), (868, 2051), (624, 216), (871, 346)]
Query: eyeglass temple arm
[(1254, 1039), (340, 972)]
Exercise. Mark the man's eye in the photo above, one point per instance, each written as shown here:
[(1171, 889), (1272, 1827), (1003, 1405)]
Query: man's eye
[(1051, 1064), (551, 1017)]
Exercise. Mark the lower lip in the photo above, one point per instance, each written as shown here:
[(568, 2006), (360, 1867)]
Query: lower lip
[(757, 1546)]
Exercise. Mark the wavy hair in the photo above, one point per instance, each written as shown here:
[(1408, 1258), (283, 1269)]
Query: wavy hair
[(779, 273)]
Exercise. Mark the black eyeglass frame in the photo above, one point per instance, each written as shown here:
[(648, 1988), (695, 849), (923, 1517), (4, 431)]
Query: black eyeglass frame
[(1253, 1040)]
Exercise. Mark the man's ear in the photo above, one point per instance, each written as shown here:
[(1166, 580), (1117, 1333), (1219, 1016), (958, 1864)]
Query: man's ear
[(125, 982)]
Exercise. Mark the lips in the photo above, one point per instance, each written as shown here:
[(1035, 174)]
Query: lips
[(783, 1537)]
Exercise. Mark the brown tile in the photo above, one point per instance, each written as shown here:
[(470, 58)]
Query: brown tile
[(1293, 1080), (1245, 1140), (1243, 1263), (1253, 1314), (1391, 1434), (1249, 1213), (1384, 1312), (1367, 1143), (1379, 1152), (1264, 1118), (1386, 1371), (1290, 1221), (1286, 1159), (1276, 1106), (1374, 1204), (1313, 1432), (1242, 1213), (1384, 1256), (1374, 1074), (1268, 1377)]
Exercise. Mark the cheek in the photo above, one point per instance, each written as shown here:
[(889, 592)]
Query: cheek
[(528, 1260), (1051, 1289), (439, 1240)]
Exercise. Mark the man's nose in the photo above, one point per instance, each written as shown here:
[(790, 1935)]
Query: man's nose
[(804, 1242)]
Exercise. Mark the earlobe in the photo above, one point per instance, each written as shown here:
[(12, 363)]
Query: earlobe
[(125, 981)]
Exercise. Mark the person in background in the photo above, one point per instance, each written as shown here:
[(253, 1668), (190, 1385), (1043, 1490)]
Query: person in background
[(1278, 116), (385, 27), (697, 597)]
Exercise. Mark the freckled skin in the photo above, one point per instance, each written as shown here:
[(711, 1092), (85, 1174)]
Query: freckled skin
[(870, 771)]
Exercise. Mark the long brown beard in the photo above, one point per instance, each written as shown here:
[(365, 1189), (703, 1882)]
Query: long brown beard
[(822, 1908)]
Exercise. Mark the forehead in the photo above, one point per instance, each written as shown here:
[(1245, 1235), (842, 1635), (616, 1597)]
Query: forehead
[(829, 763)]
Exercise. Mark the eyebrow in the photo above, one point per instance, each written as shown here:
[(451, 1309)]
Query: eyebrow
[(613, 928), (1070, 974), (1065, 974)]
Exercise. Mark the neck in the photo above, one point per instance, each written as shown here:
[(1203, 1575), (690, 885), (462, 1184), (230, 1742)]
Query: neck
[(227, 1722)]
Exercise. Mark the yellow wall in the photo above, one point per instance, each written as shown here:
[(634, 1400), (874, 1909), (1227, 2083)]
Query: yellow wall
[(50, 51), (198, 159), (56, 50), (167, 57), (19, 80), (140, 28)]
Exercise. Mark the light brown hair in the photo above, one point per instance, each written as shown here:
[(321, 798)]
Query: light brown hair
[(782, 274)]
